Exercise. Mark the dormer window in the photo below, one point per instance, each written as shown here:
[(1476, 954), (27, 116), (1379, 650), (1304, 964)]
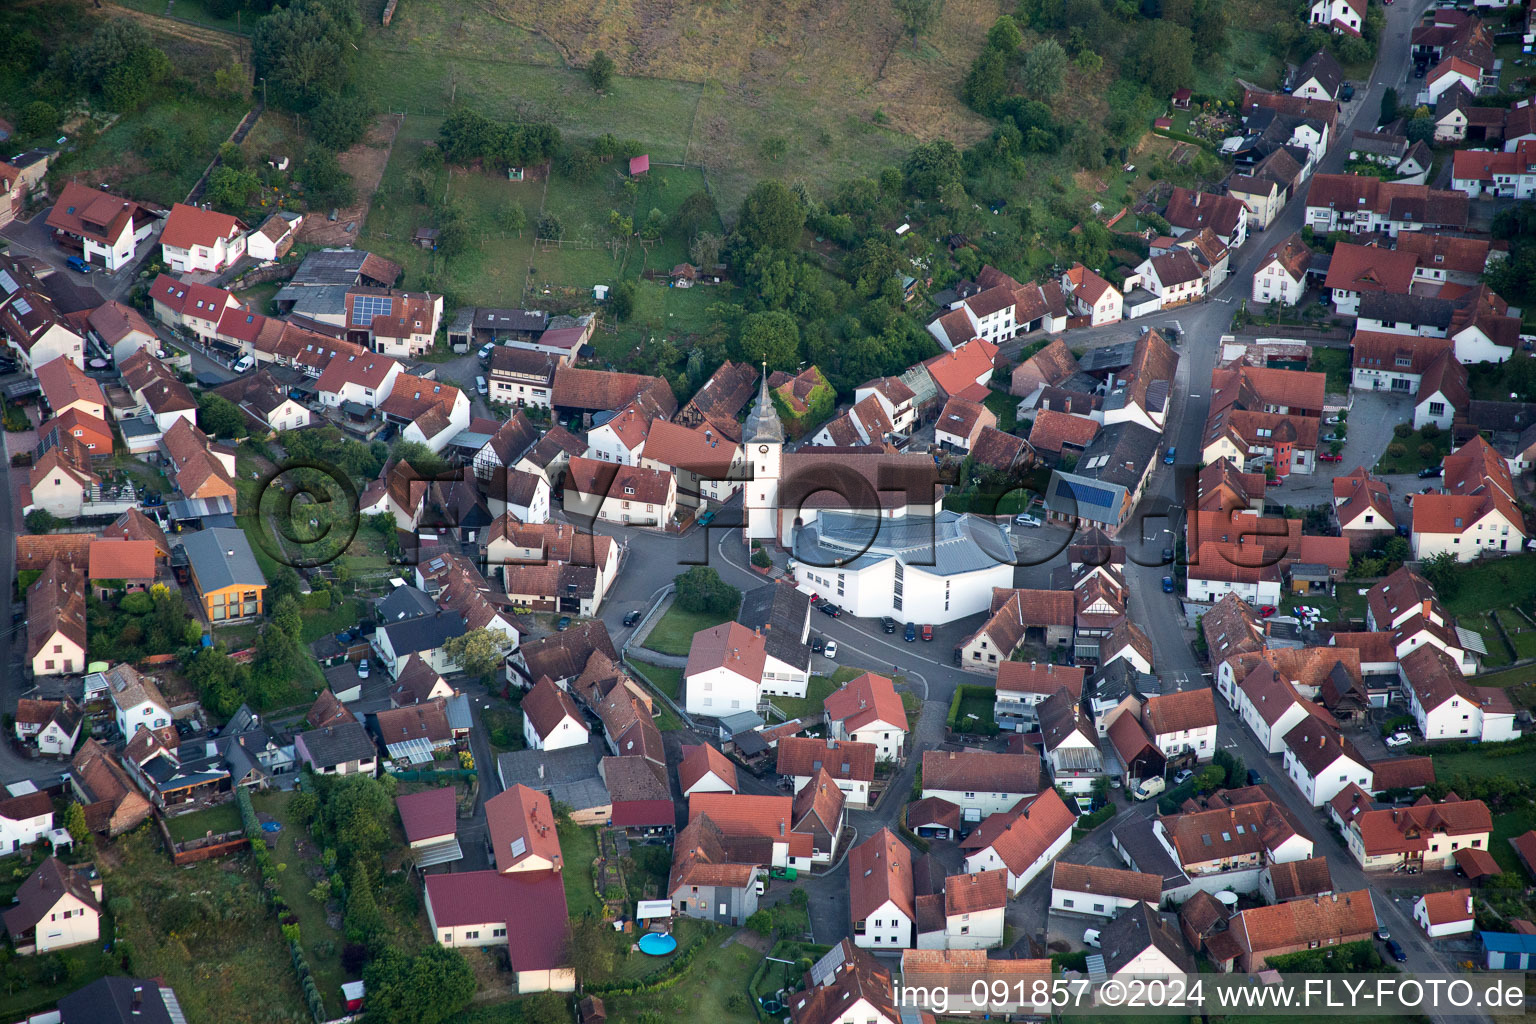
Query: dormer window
[(629, 490)]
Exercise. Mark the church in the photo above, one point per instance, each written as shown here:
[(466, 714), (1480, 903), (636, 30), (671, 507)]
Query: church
[(867, 529)]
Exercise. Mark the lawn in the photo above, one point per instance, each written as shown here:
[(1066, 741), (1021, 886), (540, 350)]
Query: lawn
[(504, 726), (773, 974), (1335, 363), (668, 680), (816, 692), (578, 847), (1005, 407), (322, 943), (978, 702), (673, 633), (1349, 605), (1505, 828), (1411, 461), (1481, 623), (1476, 763), (221, 818), (714, 988), (1494, 583), (205, 931), (319, 622), (197, 10)]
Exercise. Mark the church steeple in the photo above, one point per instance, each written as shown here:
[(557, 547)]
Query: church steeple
[(763, 421)]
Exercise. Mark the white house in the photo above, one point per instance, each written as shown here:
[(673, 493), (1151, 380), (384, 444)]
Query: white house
[(868, 710), (1346, 16), (620, 439), (1174, 277), (551, 720), (1182, 721), (57, 907), (981, 783), (1320, 762), (1445, 705), (726, 672), (1271, 707), (1281, 275), (1092, 296), (1446, 913), (1100, 891), (1319, 78), (105, 228), (196, 239), (1021, 841), (1139, 943), (136, 702), (704, 769), (880, 893), (275, 237), (24, 820), (53, 726), (366, 378)]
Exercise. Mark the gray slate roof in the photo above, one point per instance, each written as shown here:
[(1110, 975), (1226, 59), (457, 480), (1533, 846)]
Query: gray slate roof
[(111, 1001), (404, 603), (425, 632), (944, 545), (780, 613), (1137, 929), (222, 558), (569, 776), (338, 744)]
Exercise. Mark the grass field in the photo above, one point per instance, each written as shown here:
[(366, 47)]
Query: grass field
[(224, 817), (1505, 828), (1335, 363), (1411, 461), (817, 91), (1494, 583), (505, 728), (816, 691), (578, 847), (714, 988), (1477, 764), (668, 680), (673, 633), (204, 931)]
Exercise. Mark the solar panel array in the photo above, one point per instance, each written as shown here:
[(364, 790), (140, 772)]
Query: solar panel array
[(8, 282), (366, 307), (1072, 490)]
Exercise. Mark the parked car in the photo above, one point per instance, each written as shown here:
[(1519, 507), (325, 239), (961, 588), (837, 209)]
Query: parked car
[(564, 623), (76, 263), (1171, 456), (1183, 777), (243, 365), (911, 633), (1392, 946), (1266, 611), (1383, 934), (1146, 789), (1330, 457), (817, 643), (1167, 556), (1347, 93), (1429, 471), (1026, 520), (486, 350), (1399, 739), (927, 633), (888, 624), (632, 618), (830, 651), (363, 669), (1276, 482), (1167, 584), (1091, 938), (1254, 778), (828, 608), (481, 387)]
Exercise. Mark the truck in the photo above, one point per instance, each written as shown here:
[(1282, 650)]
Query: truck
[(1146, 789)]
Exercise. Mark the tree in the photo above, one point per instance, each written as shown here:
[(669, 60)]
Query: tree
[(219, 417), (600, 71), (547, 1008), (286, 617), (1444, 573), (694, 214), (550, 226), (1388, 107), (987, 83), (1420, 127), (328, 182), (305, 50), (622, 301), (704, 250), (40, 520), (38, 118), (74, 823), (590, 949), (111, 46), (1041, 73), (340, 120), (701, 589), (427, 988), (931, 166), (1162, 56), (1004, 35), (771, 217), (363, 921), (512, 218), (770, 337), (231, 190), (478, 652), (918, 16)]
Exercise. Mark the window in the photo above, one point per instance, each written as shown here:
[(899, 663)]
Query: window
[(472, 935), (498, 933)]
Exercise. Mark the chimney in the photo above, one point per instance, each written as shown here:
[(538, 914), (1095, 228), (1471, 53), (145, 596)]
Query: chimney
[(541, 772)]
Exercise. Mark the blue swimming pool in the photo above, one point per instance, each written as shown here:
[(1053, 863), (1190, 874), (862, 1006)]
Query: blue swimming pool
[(657, 944)]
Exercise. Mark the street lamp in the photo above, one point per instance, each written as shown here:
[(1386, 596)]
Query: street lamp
[(263, 90)]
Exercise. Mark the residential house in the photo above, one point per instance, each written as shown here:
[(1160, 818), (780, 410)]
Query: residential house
[(590, 392), (1252, 936), (846, 986), (1183, 722), (526, 910), (1319, 78), (1358, 269), (225, 574), (868, 710), (548, 565), (1092, 296), (198, 239), (103, 229), (1052, 366), (1188, 210), (364, 378), (1295, 880), (1022, 686), (113, 805), (881, 901), (1425, 836), (423, 638), (708, 466), (121, 329), (31, 326), (1339, 16), (1281, 275), (1362, 507), (1102, 489), (960, 423), (1404, 606), (24, 820), (61, 482), (519, 377), (426, 411), (52, 726), (199, 467), (268, 404), (1364, 204), (1070, 742), (1475, 514), (1060, 438), (968, 914), (722, 397), (754, 829), (850, 764), (551, 719), (158, 391), (895, 397), (1271, 707), (621, 438), (964, 371), (1140, 943), (1444, 393), (980, 783), (724, 674), (56, 628), (631, 495), (344, 748), (137, 704), (706, 881), (1321, 762), (1101, 891), (1174, 277), (1022, 840), (1445, 705), (57, 907), (704, 769)]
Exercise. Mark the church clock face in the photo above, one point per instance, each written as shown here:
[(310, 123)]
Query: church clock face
[(763, 448)]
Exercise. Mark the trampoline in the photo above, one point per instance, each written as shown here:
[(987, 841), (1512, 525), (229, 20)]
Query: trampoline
[(657, 944)]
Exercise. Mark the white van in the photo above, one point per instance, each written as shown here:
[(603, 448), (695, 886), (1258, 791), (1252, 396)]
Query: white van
[(1146, 789), (480, 386), (243, 364)]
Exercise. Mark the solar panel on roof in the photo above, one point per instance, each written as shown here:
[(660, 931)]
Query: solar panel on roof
[(8, 282), (23, 307), (366, 307), (1085, 494)]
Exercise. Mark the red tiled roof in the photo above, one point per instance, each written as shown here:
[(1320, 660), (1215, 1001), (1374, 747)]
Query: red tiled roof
[(1031, 828), (91, 213), (1135, 885), (802, 756), (521, 822), (880, 870), (1370, 268), (547, 705), (64, 383), (122, 560), (729, 645), (1448, 907), (430, 814), (1339, 917), (864, 700), (1053, 430), (1039, 677), (957, 372), (532, 903), (972, 771), (189, 226), (701, 759), (1181, 711)]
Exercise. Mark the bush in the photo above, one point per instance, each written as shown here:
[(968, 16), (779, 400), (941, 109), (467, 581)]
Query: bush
[(1397, 451), (760, 559), (1402, 430), (1427, 451), (1429, 432)]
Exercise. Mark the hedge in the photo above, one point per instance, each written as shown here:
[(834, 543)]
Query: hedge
[(666, 979), (1169, 133), (912, 837), (263, 857)]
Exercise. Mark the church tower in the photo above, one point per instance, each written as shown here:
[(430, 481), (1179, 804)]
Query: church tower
[(763, 438)]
